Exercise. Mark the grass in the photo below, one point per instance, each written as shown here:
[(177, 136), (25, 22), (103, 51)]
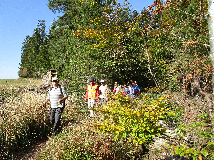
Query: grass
[(21, 116), (22, 122), (21, 82)]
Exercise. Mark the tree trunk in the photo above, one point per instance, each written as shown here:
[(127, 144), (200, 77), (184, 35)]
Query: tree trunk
[(211, 34)]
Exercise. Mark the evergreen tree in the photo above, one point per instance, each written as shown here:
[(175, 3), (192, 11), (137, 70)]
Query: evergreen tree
[(35, 58)]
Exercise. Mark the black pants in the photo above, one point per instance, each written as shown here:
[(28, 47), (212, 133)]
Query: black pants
[(55, 118)]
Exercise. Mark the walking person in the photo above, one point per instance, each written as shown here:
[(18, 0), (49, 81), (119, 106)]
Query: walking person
[(116, 88), (92, 95), (136, 89), (57, 96), (125, 90), (103, 91), (131, 90)]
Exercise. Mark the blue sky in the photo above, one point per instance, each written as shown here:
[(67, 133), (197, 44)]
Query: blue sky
[(18, 18)]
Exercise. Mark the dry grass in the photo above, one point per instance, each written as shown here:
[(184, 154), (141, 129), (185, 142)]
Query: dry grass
[(81, 141), (21, 114), (21, 82)]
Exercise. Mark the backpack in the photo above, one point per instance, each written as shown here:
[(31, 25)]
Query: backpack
[(60, 87)]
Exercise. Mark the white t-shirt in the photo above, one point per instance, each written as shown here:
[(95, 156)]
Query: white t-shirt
[(103, 91), (55, 94)]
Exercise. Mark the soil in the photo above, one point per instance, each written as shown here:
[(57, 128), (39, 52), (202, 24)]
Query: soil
[(33, 151)]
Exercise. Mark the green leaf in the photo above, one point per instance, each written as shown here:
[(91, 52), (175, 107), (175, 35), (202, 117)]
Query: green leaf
[(205, 153), (177, 150)]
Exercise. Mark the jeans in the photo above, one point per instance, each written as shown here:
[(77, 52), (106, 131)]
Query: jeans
[(55, 118)]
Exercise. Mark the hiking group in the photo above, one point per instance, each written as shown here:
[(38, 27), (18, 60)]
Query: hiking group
[(94, 93)]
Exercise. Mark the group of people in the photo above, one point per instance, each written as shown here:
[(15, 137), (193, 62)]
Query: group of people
[(57, 96), (131, 89), (95, 93)]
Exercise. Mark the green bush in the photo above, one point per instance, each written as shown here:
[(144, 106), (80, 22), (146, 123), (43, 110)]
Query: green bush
[(201, 144), (136, 120)]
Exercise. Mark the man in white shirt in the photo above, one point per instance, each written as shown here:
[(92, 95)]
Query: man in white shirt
[(103, 91), (57, 96)]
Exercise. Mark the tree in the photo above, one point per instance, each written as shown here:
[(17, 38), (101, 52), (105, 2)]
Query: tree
[(35, 58), (178, 40), (69, 51), (211, 33)]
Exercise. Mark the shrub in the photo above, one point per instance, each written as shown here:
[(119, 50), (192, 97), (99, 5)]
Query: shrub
[(136, 120), (81, 141), (200, 143)]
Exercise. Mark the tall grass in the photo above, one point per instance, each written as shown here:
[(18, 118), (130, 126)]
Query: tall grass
[(21, 117), (22, 120)]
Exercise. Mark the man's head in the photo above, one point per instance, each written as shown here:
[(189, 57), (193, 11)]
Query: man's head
[(55, 81), (91, 81), (102, 82), (115, 84)]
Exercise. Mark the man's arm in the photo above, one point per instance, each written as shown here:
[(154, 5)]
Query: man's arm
[(65, 96), (61, 100), (97, 93), (86, 96), (46, 101)]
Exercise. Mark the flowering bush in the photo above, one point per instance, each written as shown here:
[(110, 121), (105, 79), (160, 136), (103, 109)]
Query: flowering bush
[(136, 120)]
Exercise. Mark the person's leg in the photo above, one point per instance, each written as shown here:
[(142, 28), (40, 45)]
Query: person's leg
[(57, 123), (52, 115), (90, 106), (102, 100)]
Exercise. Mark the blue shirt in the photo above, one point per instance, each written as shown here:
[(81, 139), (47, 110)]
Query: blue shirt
[(136, 88), (125, 90)]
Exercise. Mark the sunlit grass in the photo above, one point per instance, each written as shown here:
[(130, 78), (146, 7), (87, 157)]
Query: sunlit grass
[(21, 82), (21, 114)]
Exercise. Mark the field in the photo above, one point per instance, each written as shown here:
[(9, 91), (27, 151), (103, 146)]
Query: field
[(22, 82), (145, 128), (21, 115)]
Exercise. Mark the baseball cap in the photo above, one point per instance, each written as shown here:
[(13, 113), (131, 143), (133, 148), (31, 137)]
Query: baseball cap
[(102, 81), (91, 79)]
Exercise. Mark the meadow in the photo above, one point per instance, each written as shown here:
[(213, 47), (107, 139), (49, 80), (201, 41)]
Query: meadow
[(154, 126), (22, 82)]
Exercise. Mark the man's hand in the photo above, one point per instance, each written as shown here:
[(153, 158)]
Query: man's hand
[(44, 104), (60, 101)]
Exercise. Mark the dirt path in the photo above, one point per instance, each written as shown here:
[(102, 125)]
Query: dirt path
[(33, 152)]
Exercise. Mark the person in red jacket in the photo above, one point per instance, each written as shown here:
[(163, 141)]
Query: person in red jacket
[(92, 95)]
